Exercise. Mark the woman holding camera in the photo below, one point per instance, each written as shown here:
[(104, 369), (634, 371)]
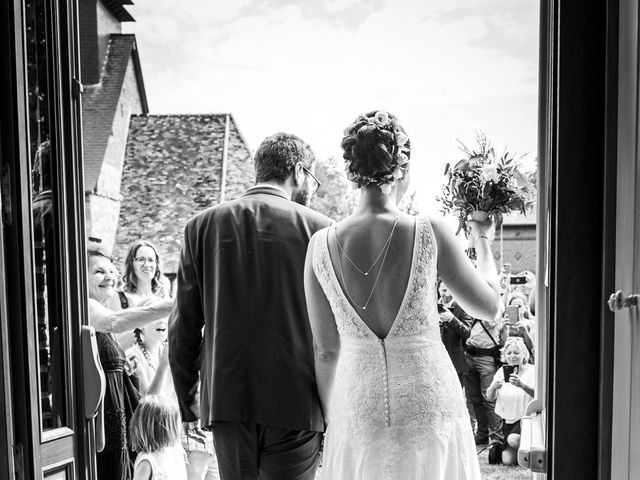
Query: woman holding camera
[(512, 389)]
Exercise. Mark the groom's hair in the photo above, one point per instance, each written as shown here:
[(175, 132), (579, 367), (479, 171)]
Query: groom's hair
[(278, 154)]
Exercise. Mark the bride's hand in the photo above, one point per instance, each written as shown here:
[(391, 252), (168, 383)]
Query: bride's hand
[(482, 229)]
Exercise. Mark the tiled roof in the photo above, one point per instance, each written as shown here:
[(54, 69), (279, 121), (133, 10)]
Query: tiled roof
[(100, 101), (518, 219), (119, 11), (172, 170)]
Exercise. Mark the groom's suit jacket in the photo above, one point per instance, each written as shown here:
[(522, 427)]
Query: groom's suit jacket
[(241, 278)]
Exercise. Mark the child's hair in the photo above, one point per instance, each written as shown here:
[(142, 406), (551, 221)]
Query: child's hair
[(519, 342), (155, 424)]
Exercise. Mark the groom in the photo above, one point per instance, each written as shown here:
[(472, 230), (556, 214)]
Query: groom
[(241, 278)]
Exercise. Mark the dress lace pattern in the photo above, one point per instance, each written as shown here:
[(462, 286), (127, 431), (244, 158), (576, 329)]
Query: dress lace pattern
[(397, 409)]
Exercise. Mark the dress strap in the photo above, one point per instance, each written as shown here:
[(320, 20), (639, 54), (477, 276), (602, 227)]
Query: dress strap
[(124, 301)]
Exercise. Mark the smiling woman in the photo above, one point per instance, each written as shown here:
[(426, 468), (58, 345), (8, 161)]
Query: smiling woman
[(145, 345), (122, 386)]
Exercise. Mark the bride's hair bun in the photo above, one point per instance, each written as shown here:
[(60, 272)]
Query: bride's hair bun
[(375, 146)]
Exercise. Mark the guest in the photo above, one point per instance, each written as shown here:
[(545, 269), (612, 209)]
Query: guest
[(141, 281), (149, 358), (121, 395), (522, 325), (455, 328), (145, 346), (155, 434), (482, 356), (512, 395)]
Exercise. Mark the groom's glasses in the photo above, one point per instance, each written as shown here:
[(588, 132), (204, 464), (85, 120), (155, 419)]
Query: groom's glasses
[(316, 182)]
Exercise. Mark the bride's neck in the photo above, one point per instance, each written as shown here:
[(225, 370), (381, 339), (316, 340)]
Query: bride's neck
[(373, 201)]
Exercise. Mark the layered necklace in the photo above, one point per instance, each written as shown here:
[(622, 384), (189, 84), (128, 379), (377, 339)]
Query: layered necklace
[(145, 351), (381, 255)]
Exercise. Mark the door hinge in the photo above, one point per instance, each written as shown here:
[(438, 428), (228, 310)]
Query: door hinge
[(18, 461), (77, 88), (5, 194)]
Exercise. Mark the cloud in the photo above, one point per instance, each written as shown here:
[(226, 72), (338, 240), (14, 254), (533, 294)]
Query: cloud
[(508, 27), (311, 67), (348, 14)]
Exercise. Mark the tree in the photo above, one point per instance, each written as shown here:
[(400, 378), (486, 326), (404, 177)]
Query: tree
[(336, 197), (409, 204)]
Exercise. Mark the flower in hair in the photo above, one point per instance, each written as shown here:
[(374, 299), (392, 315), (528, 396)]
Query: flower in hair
[(401, 139), (381, 118), (399, 150)]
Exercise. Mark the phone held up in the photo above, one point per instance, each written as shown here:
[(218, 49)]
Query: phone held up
[(507, 370), (512, 314)]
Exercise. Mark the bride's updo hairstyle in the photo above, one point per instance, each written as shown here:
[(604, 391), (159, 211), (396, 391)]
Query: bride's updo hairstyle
[(376, 150)]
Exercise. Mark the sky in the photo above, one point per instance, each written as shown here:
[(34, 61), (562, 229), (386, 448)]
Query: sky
[(309, 67)]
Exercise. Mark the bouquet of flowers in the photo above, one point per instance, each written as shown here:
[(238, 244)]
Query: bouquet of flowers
[(484, 184)]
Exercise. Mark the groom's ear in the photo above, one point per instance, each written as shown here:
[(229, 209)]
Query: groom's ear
[(298, 174)]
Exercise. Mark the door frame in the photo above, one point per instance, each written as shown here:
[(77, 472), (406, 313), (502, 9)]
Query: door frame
[(19, 389), (578, 149)]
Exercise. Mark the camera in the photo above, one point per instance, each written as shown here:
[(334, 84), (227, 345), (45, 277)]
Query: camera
[(518, 280)]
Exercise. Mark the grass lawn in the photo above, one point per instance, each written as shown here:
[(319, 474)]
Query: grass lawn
[(501, 472)]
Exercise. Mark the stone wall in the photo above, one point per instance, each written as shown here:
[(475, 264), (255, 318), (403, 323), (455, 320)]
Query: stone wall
[(518, 247), (103, 204), (173, 170), (107, 24)]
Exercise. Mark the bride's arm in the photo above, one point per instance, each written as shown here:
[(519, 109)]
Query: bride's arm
[(476, 290), (326, 342)]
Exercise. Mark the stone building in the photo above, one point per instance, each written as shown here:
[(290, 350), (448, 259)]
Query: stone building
[(517, 244), (174, 167), (113, 91)]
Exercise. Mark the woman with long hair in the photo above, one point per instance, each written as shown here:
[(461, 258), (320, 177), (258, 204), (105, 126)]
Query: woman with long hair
[(146, 346)]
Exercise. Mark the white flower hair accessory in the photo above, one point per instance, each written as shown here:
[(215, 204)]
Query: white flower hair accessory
[(400, 150)]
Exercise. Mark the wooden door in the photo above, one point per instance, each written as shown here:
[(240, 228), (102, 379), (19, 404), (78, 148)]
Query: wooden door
[(625, 448), (42, 243)]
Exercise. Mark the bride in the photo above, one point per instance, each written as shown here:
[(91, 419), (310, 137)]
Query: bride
[(392, 401)]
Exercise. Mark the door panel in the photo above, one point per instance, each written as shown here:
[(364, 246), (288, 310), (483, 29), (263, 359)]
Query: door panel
[(625, 463)]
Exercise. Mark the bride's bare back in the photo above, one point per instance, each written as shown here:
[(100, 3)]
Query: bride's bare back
[(363, 238)]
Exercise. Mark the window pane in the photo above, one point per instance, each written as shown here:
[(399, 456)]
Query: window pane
[(43, 172)]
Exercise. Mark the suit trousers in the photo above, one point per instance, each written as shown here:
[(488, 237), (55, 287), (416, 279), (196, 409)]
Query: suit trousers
[(249, 451), (477, 378)]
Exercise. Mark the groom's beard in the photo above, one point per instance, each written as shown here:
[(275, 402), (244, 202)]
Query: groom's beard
[(303, 197)]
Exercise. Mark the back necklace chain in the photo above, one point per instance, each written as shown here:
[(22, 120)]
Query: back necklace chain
[(385, 249), (375, 262)]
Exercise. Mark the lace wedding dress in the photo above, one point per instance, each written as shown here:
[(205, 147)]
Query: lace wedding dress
[(396, 409)]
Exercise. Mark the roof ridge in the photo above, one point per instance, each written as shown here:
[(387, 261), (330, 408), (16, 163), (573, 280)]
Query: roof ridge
[(184, 114)]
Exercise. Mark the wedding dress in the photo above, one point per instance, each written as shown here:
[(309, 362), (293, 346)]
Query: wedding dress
[(396, 410)]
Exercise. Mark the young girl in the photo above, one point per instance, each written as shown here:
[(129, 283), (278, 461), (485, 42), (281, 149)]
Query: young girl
[(512, 395), (155, 435)]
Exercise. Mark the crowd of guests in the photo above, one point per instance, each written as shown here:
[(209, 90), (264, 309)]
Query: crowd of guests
[(142, 420), (143, 429), (494, 361)]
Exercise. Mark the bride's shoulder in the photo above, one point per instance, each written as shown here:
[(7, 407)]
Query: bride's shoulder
[(441, 230), (319, 234)]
